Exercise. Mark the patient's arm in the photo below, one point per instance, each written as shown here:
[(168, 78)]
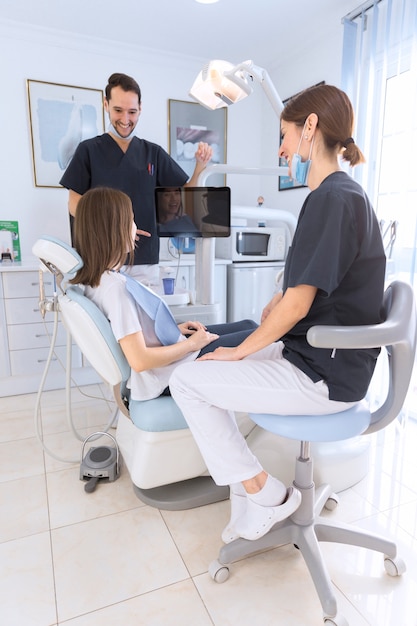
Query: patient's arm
[(141, 357)]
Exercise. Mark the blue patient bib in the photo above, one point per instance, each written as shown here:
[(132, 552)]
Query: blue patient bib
[(166, 328)]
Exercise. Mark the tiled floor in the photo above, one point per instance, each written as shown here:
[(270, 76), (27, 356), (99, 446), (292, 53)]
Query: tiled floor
[(105, 558)]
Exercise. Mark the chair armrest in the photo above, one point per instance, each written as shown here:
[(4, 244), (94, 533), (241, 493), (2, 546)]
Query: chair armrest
[(350, 337), (399, 326)]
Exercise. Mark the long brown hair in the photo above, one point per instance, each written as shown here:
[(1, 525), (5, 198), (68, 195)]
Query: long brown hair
[(102, 233), (336, 118)]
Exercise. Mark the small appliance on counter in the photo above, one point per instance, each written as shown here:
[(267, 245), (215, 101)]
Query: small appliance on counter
[(257, 246)]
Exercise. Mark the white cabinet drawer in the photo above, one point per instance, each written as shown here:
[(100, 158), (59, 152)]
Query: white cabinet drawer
[(26, 336), (25, 362), (26, 284), (23, 311)]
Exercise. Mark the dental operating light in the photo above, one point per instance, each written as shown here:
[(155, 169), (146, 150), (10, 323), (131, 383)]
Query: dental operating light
[(220, 84)]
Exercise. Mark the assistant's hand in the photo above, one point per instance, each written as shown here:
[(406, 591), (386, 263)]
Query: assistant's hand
[(188, 328), (221, 354), (204, 153)]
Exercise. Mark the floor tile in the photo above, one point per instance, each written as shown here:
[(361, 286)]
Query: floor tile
[(86, 414), (69, 503), (16, 425), (107, 560), (176, 605), (405, 516), (20, 459), (26, 582), (197, 533), (23, 508)]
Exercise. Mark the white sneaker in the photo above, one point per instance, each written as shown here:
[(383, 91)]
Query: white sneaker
[(258, 520), (238, 505)]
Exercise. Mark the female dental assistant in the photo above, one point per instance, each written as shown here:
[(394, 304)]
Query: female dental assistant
[(334, 274)]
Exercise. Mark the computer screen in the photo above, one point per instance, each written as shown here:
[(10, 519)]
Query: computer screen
[(193, 211)]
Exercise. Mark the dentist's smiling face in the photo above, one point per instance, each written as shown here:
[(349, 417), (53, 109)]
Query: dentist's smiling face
[(123, 109)]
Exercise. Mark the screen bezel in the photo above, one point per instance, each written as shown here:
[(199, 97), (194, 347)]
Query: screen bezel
[(200, 205)]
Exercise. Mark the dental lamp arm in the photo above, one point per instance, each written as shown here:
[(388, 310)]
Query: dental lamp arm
[(262, 77), (223, 168)]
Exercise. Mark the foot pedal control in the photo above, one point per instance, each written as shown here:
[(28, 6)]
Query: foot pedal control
[(99, 462)]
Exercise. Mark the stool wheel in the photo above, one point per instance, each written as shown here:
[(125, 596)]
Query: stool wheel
[(218, 572), (394, 566), (337, 620), (331, 502)]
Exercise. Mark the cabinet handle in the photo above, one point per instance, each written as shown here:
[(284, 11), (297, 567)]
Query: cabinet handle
[(36, 284), (41, 335), (36, 310), (44, 360)]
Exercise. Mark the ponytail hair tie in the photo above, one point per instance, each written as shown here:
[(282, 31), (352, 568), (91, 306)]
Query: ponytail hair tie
[(347, 142)]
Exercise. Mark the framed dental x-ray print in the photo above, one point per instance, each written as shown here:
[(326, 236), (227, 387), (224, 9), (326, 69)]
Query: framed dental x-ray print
[(188, 124)]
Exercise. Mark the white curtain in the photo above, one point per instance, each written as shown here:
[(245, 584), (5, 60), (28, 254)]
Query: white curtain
[(379, 73), (379, 43)]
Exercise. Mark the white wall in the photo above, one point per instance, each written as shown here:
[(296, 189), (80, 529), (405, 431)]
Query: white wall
[(40, 54), (320, 59)]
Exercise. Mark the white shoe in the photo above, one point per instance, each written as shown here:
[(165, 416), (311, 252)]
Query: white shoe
[(238, 505), (258, 520)]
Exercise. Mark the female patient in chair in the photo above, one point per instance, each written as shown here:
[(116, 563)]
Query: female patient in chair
[(151, 340), (334, 275)]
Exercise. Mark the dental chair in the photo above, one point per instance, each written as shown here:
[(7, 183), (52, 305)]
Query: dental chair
[(164, 463), (306, 528)]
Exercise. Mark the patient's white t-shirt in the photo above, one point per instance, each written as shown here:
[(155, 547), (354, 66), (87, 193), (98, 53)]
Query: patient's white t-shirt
[(126, 317)]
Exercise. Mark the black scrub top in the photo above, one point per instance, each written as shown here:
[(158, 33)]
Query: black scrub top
[(100, 162), (337, 247)]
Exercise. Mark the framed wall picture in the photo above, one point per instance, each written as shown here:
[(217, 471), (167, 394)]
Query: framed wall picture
[(60, 117), (188, 124), (285, 182)]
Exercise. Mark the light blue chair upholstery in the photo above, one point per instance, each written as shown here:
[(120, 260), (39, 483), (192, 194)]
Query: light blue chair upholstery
[(306, 528)]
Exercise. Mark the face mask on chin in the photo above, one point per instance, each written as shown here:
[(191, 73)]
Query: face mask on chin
[(299, 170), (112, 129)]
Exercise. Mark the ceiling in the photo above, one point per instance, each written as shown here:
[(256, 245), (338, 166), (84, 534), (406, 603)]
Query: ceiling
[(235, 30)]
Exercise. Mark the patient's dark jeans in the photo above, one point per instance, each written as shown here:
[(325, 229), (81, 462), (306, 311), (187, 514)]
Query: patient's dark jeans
[(230, 335)]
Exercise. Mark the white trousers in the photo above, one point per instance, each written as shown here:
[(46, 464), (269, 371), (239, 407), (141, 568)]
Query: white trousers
[(208, 393)]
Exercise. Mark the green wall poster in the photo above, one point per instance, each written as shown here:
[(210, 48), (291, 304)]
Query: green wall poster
[(9, 241)]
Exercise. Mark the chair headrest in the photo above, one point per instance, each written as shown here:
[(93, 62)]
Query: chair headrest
[(61, 255)]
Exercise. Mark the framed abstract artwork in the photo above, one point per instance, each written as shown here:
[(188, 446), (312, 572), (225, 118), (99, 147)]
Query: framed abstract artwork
[(60, 117)]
